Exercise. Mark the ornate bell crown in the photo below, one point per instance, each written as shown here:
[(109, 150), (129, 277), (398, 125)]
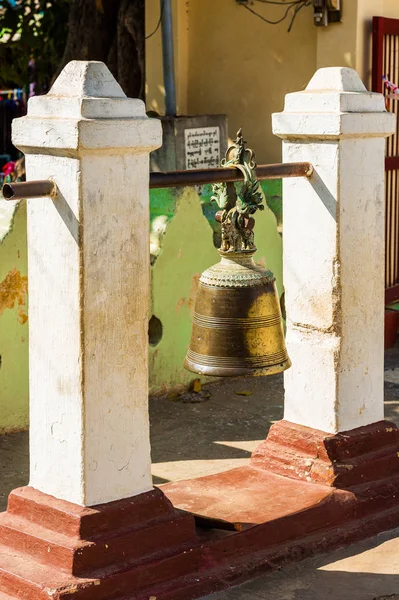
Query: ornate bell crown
[(236, 208)]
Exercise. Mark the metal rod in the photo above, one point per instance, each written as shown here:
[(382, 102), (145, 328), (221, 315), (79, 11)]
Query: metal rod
[(168, 58), (46, 187), (221, 175), (29, 189)]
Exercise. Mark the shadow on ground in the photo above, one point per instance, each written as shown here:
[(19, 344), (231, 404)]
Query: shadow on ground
[(368, 570), (194, 439)]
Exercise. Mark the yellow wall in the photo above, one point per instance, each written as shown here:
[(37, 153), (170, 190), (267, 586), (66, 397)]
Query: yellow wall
[(336, 44), (155, 90), (154, 87), (244, 67), (228, 61), (350, 42), (367, 10)]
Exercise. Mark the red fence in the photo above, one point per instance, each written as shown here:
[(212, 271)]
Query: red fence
[(386, 63)]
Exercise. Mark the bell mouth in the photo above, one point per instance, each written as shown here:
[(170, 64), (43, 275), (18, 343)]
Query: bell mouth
[(236, 371)]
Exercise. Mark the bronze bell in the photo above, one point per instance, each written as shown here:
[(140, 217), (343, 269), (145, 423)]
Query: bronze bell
[(237, 323)]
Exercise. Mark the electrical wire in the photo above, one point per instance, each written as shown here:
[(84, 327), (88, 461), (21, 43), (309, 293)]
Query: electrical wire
[(297, 9), (158, 24), (264, 18), (280, 3), (297, 5)]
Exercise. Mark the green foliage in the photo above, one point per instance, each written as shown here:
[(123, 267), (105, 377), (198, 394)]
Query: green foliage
[(31, 29)]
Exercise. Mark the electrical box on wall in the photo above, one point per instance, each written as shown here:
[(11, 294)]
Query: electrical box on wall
[(326, 11)]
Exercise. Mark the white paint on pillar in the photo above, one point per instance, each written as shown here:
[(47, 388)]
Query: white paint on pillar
[(334, 251), (7, 214), (89, 287)]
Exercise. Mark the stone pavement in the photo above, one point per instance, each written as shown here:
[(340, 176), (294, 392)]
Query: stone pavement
[(365, 571), (211, 434)]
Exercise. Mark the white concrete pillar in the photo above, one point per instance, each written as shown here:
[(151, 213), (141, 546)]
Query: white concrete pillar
[(333, 236), (89, 287)]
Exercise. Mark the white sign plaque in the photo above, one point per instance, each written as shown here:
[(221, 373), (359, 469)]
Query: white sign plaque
[(202, 146)]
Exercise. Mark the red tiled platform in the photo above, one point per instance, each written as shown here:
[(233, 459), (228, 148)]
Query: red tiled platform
[(305, 491), (247, 496)]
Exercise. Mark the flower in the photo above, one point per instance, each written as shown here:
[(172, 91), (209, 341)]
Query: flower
[(8, 168)]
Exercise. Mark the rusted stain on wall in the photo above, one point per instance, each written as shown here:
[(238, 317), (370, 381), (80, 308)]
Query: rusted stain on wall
[(191, 299), (13, 290), (181, 302), (193, 291)]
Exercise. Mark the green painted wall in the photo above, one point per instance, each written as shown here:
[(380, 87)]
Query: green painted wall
[(273, 191), (181, 245), (13, 320), (186, 251)]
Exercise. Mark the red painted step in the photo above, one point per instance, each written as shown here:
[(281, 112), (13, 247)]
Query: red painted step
[(22, 577), (81, 556), (47, 546), (71, 519)]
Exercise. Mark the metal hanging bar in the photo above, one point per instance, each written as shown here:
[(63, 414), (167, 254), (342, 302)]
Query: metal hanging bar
[(223, 175), (29, 189), (40, 189)]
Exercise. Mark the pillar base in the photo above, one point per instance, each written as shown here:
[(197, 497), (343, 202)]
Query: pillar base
[(367, 454), (304, 492), (54, 549)]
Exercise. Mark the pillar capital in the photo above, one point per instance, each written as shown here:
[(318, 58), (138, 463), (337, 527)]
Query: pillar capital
[(334, 105), (86, 110)]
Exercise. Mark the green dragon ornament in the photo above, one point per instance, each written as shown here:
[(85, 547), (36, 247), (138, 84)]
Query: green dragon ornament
[(236, 207)]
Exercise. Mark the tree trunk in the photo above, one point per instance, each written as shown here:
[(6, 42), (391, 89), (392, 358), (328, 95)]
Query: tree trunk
[(111, 31)]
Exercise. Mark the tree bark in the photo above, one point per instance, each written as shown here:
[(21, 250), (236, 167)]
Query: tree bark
[(111, 31)]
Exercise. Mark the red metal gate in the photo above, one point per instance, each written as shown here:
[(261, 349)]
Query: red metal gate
[(386, 63)]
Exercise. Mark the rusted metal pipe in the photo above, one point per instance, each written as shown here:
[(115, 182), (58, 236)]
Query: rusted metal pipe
[(29, 189), (224, 175), (41, 189)]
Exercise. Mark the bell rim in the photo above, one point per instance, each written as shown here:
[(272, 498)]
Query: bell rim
[(212, 371)]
